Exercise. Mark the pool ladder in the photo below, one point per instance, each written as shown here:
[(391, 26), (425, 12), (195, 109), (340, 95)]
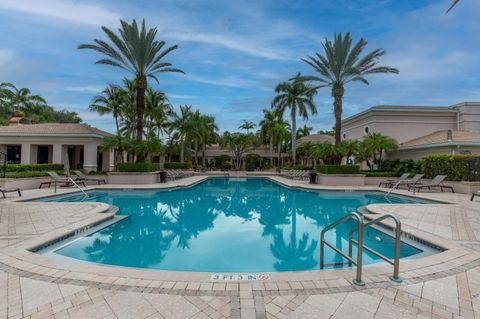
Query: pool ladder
[(361, 225)]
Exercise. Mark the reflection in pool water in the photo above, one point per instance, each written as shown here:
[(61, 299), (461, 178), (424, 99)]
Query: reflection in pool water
[(223, 225)]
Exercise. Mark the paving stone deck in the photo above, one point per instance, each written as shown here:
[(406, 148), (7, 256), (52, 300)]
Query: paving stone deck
[(444, 285)]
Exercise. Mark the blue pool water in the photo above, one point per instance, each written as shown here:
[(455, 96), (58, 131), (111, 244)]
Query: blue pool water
[(222, 225)]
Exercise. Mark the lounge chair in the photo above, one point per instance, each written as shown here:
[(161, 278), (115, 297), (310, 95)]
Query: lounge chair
[(437, 182), (408, 182), (474, 194), (55, 178), (392, 181), (10, 190), (81, 177)]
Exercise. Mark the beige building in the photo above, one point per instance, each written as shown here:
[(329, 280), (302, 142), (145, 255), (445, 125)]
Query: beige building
[(55, 143), (420, 130)]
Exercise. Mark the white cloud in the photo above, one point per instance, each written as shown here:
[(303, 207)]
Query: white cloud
[(86, 88), (67, 10), (229, 81)]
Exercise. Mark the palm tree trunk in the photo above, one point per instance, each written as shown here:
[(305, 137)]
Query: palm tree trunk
[(204, 149), (141, 86), (196, 152), (271, 149), (294, 135), (337, 93), (279, 150), (182, 150)]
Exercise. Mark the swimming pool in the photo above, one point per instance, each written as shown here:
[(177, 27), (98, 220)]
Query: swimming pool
[(227, 225)]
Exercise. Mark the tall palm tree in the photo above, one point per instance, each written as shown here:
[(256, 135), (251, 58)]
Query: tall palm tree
[(207, 129), (298, 97), (377, 144), (270, 119), (341, 63), (183, 125), (138, 52), (280, 134), (111, 101)]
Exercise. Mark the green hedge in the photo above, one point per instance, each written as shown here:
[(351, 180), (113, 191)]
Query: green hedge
[(32, 167), (380, 174), (25, 174), (177, 165), (137, 167), (456, 167), (338, 169)]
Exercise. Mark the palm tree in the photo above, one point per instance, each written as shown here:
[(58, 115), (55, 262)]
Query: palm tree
[(15, 99), (340, 64), (270, 119), (138, 52), (454, 3), (157, 111), (378, 144), (207, 129), (298, 97), (304, 131), (247, 126), (111, 101), (183, 125), (280, 134)]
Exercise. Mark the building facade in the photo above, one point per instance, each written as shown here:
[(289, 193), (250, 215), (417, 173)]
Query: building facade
[(420, 130), (56, 143)]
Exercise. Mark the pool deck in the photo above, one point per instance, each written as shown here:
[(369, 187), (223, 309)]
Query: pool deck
[(444, 285)]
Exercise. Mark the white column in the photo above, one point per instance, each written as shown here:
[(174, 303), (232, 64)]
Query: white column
[(111, 160), (90, 157), (57, 154), (25, 155)]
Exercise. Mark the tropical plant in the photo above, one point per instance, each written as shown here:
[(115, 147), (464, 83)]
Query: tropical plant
[(377, 144), (183, 126), (350, 147), (247, 126), (270, 119), (157, 112), (298, 97), (304, 131), (16, 99), (239, 143), (327, 152), (280, 133), (111, 101), (340, 64), (138, 52), (207, 132)]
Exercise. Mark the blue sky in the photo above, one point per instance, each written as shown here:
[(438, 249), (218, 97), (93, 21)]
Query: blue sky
[(234, 52)]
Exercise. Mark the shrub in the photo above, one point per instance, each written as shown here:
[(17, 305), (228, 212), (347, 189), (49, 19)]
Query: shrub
[(137, 167), (32, 167), (456, 167), (402, 166), (227, 165), (252, 162), (339, 169), (177, 165), (26, 174), (380, 174)]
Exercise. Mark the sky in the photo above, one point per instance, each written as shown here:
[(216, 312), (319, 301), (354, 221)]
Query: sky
[(234, 52)]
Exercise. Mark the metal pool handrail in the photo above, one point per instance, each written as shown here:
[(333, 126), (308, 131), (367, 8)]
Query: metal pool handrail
[(398, 233), (358, 262)]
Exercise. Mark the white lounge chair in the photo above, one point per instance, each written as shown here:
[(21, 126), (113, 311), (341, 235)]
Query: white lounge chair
[(437, 182), (10, 190), (392, 181)]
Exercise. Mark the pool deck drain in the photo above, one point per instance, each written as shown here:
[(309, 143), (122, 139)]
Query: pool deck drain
[(445, 285)]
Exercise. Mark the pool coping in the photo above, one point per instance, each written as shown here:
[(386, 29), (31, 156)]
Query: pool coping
[(18, 258)]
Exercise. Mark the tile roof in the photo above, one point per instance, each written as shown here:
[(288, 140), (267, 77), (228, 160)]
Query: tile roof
[(316, 138), (444, 136), (53, 129)]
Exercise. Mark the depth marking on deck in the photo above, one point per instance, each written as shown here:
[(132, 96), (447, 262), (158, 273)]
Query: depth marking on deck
[(239, 277)]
